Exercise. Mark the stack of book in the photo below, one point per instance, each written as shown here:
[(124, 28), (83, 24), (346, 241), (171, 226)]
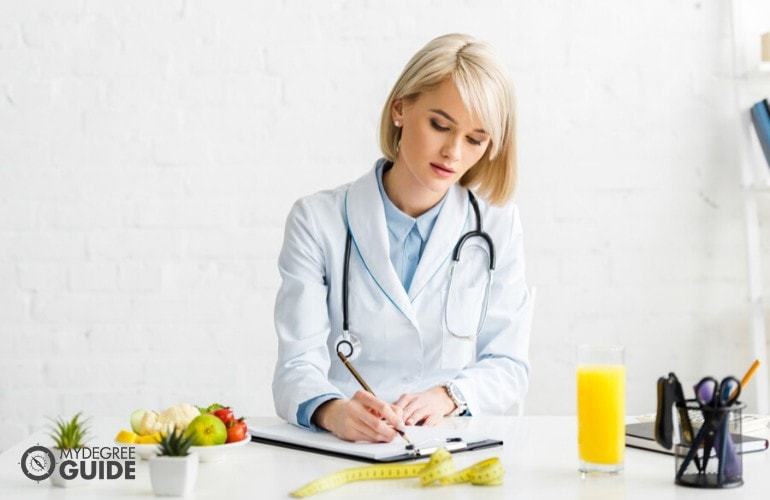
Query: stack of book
[(760, 115), (755, 429)]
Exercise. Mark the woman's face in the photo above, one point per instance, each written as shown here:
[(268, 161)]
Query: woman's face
[(440, 140)]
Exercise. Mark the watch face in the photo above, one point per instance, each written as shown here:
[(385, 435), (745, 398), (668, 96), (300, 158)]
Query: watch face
[(38, 463), (456, 395)]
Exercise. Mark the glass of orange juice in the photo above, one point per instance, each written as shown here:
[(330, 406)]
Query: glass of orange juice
[(601, 405)]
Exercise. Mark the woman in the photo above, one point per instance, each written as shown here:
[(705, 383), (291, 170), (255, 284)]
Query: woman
[(426, 350)]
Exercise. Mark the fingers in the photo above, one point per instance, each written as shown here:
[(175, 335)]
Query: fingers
[(366, 418), (366, 429), (424, 408), (392, 414), (416, 408), (370, 419)]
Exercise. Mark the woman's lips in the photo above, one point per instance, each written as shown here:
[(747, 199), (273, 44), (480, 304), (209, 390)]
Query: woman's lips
[(442, 170)]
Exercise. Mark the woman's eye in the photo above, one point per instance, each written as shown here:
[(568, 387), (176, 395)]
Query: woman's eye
[(438, 127), (474, 141)]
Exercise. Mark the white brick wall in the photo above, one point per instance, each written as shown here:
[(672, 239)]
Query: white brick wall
[(150, 151)]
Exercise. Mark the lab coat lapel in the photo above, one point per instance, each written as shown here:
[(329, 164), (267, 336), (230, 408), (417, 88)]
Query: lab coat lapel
[(447, 230), (366, 219)]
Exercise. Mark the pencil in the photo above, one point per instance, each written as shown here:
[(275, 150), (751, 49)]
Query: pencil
[(747, 377), (366, 387), (750, 373)]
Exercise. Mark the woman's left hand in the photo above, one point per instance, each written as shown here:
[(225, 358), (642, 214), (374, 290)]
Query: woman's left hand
[(425, 408)]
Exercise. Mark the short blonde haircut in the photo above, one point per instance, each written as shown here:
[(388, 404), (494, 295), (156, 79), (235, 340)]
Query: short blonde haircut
[(486, 91)]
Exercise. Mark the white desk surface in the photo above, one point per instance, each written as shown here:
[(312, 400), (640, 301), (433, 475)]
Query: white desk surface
[(539, 455)]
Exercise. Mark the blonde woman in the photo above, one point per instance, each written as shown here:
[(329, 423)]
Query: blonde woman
[(415, 271)]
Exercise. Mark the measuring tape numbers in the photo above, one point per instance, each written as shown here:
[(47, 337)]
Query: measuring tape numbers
[(440, 468)]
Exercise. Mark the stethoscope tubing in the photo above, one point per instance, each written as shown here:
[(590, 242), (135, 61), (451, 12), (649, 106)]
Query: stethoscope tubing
[(348, 341)]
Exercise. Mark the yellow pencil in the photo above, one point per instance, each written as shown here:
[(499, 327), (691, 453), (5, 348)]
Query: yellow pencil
[(747, 377), (750, 373)]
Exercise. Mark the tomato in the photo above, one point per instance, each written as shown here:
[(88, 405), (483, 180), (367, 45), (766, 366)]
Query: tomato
[(237, 431), (225, 415)]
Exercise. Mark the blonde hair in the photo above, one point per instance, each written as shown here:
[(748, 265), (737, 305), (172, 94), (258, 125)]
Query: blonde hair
[(486, 91)]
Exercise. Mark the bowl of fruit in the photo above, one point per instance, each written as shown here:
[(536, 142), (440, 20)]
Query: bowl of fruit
[(215, 430)]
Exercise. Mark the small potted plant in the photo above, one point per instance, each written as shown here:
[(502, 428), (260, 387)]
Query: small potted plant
[(174, 469), (68, 435)]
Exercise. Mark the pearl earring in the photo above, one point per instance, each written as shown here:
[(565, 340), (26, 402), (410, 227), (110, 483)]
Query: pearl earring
[(397, 123)]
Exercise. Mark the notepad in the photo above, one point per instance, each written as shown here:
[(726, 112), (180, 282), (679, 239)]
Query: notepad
[(425, 440)]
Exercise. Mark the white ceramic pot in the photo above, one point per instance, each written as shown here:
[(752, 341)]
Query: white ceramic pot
[(173, 476), (60, 482)]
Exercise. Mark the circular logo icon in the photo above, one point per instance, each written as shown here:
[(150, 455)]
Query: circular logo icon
[(38, 463)]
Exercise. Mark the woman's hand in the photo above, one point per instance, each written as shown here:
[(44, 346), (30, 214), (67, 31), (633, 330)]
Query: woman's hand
[(425, 408), (362, 418)]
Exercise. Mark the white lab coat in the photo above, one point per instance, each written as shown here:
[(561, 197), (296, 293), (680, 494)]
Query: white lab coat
[(406, 346)]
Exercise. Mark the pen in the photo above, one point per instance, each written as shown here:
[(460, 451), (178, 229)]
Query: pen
[(747, 377), (366, 387)]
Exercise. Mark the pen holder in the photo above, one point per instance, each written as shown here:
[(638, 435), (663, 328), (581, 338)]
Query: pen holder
[(707, 455)]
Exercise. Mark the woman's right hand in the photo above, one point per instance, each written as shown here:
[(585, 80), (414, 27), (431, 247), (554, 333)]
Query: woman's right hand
[(362, 418)]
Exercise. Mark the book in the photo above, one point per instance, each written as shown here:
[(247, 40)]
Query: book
[(760, 116), (425, 439), (642, 435)]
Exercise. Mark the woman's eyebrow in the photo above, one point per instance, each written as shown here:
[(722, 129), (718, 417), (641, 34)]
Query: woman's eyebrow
[(449, 117)]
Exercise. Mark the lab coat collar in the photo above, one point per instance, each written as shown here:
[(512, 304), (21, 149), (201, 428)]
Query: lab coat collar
[(443, 238), (365, 216)]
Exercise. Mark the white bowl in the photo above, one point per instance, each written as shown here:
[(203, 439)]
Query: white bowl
[(206, 453)]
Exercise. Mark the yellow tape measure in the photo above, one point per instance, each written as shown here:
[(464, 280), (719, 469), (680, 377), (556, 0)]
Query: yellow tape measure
[(440, 468)]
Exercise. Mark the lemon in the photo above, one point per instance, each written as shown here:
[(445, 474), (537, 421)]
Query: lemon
[(125, 436), (148, 439)]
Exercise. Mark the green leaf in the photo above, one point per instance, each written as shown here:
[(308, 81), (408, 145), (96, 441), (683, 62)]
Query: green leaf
[(69, 434), (212, 408)]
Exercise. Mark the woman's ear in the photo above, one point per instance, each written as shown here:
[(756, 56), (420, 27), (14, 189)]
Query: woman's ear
[(397, 110)]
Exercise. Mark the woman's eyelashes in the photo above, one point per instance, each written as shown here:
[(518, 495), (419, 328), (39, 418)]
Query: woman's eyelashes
[(436, 125)]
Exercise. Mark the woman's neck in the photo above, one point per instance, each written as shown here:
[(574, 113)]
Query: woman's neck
[(406, 193)]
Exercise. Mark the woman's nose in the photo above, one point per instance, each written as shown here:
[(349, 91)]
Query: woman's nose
[(451, 149)]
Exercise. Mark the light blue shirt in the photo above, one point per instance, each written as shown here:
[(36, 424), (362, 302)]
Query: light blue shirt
[(407, 237)]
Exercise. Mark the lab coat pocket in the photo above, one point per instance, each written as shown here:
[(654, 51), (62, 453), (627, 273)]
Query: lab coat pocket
[(464, 304)]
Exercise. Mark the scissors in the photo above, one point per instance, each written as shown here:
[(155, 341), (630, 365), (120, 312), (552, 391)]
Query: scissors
[(713, 397)]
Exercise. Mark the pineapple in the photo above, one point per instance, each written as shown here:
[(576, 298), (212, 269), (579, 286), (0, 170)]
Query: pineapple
[(69, 434), (175, 444)]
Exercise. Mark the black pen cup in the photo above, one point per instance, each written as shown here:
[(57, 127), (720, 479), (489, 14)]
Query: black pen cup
[(708, 453)]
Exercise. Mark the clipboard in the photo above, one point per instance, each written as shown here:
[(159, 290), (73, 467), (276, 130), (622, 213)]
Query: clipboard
[(426, 440)]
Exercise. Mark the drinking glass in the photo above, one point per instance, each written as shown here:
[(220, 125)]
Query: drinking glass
[(601, 403)]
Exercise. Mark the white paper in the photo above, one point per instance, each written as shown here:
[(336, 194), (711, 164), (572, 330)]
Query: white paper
[(422, 437)]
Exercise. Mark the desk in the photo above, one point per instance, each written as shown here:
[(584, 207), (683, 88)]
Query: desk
[(539, 455)]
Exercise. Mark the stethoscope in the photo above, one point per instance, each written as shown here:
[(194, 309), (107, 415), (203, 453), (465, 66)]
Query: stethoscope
[(349, 346)]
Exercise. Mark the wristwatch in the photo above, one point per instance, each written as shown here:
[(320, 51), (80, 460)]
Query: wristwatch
[(457, 398)]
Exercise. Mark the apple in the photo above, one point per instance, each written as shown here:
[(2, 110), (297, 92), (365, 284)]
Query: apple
[(136, 420), (207, 430)]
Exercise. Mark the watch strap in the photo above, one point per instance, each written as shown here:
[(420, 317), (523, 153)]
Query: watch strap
[(456, 396)]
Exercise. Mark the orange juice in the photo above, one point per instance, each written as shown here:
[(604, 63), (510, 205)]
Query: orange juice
[(601, 394)]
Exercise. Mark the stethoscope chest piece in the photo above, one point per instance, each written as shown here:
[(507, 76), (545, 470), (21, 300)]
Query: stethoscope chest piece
[(348, 345)]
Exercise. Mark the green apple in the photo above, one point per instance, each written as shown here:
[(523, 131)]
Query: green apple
[(136, 420), (207, 430)]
